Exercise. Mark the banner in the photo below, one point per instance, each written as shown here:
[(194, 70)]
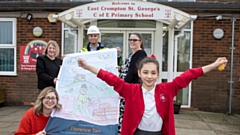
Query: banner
[(29, 54), (124, 10), (90, 106)]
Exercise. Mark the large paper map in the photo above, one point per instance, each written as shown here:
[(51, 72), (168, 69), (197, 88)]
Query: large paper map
[(90, 106)]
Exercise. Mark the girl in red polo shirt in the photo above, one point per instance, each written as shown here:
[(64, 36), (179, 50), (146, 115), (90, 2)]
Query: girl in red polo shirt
[(149, 107)]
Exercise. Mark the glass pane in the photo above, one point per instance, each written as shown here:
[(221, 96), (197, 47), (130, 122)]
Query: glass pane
[(164, 80), (6, 29), (183, 96), (165, 51), (126, 23), (6, 59), (112, 40), (183, 52), (147, 42), (69, 42), (85, 38), (66, 26), (187, 26)]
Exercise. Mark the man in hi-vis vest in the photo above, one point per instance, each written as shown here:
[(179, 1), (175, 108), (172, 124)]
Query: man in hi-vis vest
[(93, 34)]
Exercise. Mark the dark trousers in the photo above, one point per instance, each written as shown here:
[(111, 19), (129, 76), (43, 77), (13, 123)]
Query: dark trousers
[(141, 132)]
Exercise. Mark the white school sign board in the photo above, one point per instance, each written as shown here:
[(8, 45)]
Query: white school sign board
[(123, 10), (90, 106)]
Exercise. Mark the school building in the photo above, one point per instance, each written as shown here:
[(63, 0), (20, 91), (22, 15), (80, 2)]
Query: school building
[(181, 33)]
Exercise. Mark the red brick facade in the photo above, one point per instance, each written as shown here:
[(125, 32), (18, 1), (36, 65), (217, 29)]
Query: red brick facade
[(211, 92), (22, 89)]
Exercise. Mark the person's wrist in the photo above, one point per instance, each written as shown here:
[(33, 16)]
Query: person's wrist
[(87, 66), (213, 66)]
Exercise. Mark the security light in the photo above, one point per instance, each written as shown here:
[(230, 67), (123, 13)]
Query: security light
[(29, 16), (219, 17)]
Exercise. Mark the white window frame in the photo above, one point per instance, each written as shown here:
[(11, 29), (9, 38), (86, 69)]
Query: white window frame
[(69, 30), (175, 73), (11, 46)]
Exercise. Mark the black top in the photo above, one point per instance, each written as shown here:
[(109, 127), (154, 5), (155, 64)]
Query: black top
[(132, 75), (47, 70)]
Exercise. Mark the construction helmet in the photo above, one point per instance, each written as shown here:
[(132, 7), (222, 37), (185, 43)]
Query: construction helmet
[(93, 30)]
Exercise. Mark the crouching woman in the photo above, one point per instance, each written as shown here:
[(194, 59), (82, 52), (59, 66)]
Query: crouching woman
[(35, 119)]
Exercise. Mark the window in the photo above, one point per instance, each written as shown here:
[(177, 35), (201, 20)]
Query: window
[(70, 40), (183, 46), (8, 46)]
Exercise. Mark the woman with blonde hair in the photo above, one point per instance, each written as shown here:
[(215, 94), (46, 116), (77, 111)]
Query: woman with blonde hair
[(36, 118), (48, 66)]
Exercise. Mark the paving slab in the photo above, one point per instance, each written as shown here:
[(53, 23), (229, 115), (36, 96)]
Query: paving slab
[(233, 119), (10, 118), (187, 122), (7, 128), (225, 133), (212, 117), (225, 127), (182, 131), (187, 115), (237, 115)]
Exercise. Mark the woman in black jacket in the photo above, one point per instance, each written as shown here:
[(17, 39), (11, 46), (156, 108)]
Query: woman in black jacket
[(128, 70), (48, 66)]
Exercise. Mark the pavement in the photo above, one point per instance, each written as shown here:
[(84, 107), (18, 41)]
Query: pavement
[(187, 122)]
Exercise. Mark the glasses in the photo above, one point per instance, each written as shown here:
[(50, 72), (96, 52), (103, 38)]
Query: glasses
[(50, 98), (134, 40)]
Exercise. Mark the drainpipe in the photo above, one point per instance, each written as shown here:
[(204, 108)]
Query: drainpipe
[(231, 69)]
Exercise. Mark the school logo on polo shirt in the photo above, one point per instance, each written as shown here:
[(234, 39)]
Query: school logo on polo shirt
[(163, 98)]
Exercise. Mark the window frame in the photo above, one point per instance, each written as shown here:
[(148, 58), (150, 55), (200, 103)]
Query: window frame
[(11, 46), (71, 31)]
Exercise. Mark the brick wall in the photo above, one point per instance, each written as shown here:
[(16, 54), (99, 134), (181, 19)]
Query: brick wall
[(22, 89), (211, 92)]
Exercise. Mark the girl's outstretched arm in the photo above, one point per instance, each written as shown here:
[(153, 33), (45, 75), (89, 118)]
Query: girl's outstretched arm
[(214, 65), (83, 63)]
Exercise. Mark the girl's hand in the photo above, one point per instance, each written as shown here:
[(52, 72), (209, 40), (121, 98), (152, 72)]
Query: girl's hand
[(41, 133), (220, 61), (215, 65), (82, 63)]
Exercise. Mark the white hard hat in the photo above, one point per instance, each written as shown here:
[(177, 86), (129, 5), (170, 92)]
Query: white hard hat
[(93, 30)]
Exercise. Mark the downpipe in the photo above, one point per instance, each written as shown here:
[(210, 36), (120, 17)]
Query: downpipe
[(231, 69)]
